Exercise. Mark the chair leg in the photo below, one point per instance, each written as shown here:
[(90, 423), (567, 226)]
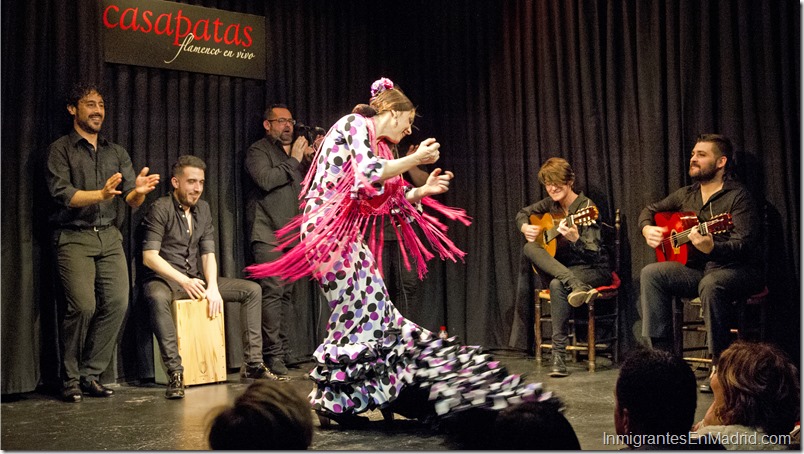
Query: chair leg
[(591, 336), (678, 321), (617, 330), (537, 326)]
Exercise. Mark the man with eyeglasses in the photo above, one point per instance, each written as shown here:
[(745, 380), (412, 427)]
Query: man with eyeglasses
[(275, 164)]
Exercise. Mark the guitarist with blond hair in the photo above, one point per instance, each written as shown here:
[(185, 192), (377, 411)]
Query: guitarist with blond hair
[(564, 244), (706, 240)]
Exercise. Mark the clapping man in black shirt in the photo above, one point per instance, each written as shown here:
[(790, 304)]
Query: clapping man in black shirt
[(86, 176)]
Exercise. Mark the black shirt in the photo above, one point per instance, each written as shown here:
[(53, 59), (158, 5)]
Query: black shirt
[(166, 230), (273, 198), (73, 165), (588, 250), (739, 246)]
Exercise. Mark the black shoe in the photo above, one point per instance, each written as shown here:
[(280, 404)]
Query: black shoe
[(277, 366), (71, 394), (287, 358), (344, 420), (294, 362), (95, 389), (175, 387), (258, 372), (559, 368)]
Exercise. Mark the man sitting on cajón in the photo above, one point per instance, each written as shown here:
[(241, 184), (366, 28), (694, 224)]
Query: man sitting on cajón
[(177, 233)]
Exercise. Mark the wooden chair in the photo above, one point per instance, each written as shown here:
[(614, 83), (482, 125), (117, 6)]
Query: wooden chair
[(609, 296), (749, 325)]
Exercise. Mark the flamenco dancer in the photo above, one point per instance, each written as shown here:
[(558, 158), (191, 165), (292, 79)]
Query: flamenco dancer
[(372, 356)]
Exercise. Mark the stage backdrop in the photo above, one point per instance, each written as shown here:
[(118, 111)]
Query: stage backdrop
[(619, 88)]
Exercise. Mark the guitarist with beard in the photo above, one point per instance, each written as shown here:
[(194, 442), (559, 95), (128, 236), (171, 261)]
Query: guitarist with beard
[(580, 261), (720, 268)]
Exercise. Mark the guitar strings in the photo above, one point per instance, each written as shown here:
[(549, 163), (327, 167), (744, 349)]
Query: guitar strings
[(686, 233)]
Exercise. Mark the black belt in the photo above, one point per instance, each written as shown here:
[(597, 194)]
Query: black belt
[(96, 228)]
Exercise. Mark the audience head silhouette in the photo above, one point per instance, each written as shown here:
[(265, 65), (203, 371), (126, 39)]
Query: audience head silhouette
[(534, 425), (268, 415), (525, 426), (655, 394)]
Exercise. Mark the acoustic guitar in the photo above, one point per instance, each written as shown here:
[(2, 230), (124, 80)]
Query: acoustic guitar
[(679, 225), (549, 226)]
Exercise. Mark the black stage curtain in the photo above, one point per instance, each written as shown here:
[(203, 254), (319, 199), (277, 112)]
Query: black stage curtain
[(619, 88)]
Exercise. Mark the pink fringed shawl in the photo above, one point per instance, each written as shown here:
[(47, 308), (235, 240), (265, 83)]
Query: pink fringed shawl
[(347, 216)]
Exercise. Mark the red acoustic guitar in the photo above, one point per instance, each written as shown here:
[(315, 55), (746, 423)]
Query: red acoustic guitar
[(549, 225), (679, 225)]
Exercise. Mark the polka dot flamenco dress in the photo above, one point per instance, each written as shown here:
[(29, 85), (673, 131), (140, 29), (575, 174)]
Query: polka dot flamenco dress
[(371, 353)]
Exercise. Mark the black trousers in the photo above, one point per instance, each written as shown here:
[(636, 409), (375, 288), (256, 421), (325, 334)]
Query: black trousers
[(718, 287), (403, 284), (276, 305), (160, 295), (94, 275), (560, 310)]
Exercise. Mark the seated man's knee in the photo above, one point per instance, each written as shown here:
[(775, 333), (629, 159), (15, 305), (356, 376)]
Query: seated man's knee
[(556, 287), (157, 294), (253, 289), (711, 289), (650, 272), (530, 250)]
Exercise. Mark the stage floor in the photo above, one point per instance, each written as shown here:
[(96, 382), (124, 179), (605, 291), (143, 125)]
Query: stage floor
[(138, 417)]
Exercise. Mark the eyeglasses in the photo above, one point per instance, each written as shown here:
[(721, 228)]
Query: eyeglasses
[(282, 121)]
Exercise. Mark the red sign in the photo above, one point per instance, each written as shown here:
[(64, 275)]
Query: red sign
[(161, 34)]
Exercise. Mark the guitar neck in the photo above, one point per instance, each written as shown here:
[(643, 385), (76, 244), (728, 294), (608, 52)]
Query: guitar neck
[(553, 233), (684, 237)]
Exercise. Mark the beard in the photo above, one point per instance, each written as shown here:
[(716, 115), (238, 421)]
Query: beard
[(703, 174), (184, 199), (85, 125), (283, 137)]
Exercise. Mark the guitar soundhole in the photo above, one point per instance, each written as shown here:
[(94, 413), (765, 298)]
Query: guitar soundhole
[(674, 239)]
